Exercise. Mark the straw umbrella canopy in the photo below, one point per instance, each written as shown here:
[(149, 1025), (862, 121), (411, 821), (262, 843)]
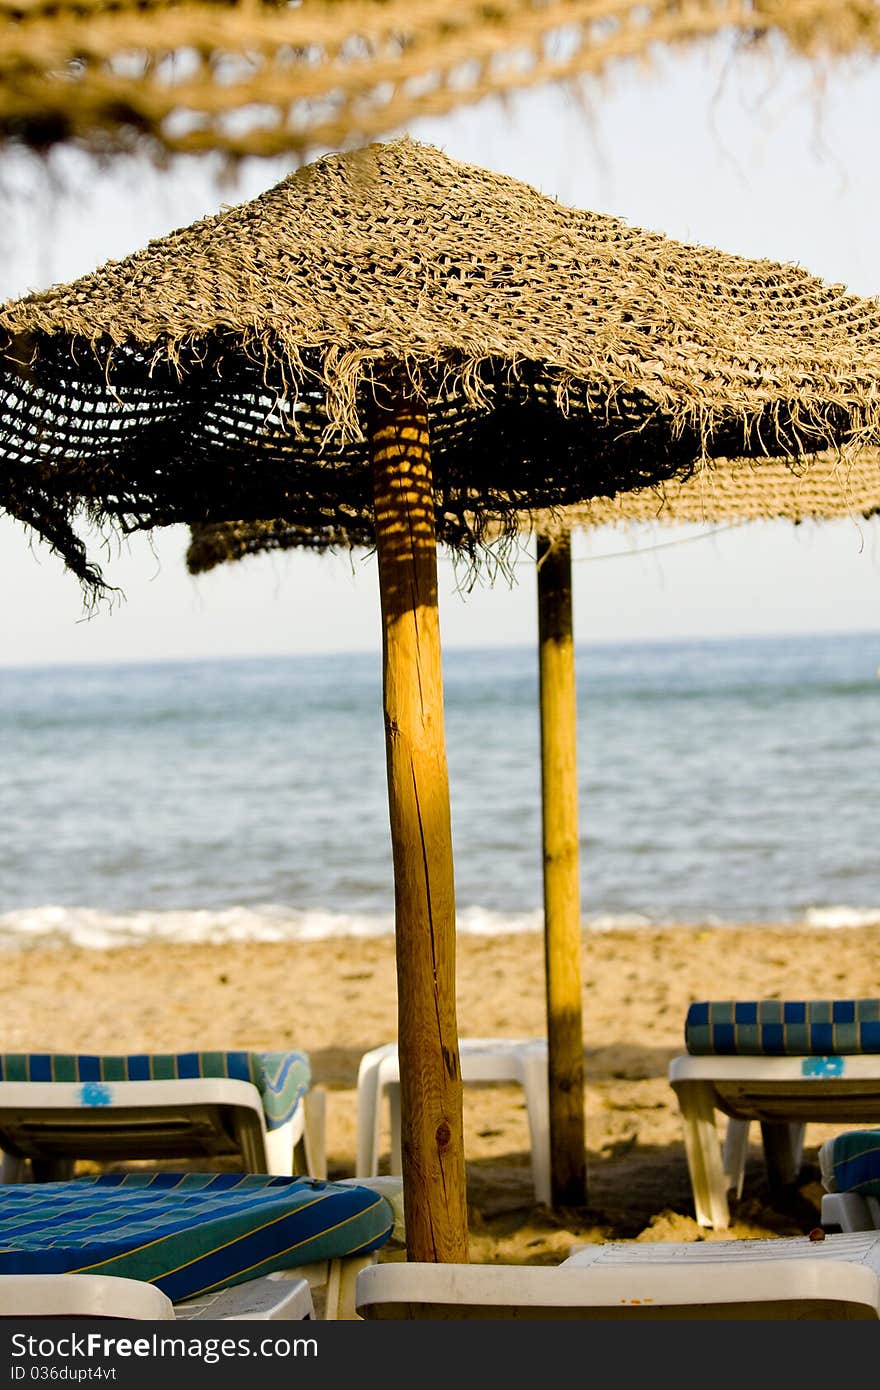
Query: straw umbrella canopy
[(260, 77), (393, 334)]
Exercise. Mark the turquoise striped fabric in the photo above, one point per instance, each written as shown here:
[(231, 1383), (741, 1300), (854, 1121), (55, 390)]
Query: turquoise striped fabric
[(850, 1162), (187, 1233), (282, 1078), (780, 1028)]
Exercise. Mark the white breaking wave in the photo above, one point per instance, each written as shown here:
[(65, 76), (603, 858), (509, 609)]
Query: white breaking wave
[(84, 926), (843, 917), (54, 925)]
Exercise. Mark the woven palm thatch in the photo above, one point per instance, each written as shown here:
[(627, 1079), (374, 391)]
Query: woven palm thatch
[(226, 372), (826, 488), (262, 77)]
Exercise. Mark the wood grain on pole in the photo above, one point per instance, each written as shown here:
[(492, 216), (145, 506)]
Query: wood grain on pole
[(435, 1206), (562, 903)]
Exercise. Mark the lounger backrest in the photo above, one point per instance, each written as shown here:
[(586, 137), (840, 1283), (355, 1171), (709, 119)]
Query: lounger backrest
[(779, 1028)]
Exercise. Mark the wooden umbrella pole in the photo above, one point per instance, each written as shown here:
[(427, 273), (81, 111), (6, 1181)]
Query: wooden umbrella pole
[(562, 907), (435, 1206)]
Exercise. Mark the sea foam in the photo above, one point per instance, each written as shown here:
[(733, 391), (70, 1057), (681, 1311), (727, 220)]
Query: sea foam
[(54, 925)]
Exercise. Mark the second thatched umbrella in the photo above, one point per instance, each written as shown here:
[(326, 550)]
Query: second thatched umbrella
[(397, 340)]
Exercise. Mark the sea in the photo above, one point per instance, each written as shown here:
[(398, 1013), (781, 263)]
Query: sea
[(721, 782)]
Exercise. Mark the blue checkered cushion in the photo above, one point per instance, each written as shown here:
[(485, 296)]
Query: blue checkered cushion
[(779, 1028), (850, 1162), (282, 1078), (187, 1233)]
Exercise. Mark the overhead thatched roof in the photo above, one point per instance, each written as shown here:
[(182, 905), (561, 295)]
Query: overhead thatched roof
[(269, 77), (224, 373), (827, 488)]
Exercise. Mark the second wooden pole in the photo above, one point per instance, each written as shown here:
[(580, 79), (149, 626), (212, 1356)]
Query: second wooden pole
[(562, 903)]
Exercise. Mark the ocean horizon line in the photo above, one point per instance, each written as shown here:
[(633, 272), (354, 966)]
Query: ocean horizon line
[(450, 649)]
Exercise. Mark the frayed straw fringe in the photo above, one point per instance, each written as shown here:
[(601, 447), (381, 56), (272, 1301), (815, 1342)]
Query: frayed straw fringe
[(826, 487)]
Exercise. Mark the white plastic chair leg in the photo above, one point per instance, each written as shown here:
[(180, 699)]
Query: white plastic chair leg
[(368, 1116), (535, 1085), (703, 1151), (393, 1090), (281, 1145), (339, 1305), (314, 1139), (734, 1153), (298, 1147)]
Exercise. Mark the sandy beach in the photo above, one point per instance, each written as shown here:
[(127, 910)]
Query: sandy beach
[(337, 998)]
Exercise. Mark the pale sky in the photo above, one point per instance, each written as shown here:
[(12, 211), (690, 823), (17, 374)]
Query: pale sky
[(752, 158)]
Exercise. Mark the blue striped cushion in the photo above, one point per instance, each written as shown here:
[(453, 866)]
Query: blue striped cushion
[(850, 1162), (282, 1078), (187, 1233), (779, 1028)]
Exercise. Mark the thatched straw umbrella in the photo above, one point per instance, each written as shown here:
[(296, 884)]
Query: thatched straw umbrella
[(395, 334), (259, 77)]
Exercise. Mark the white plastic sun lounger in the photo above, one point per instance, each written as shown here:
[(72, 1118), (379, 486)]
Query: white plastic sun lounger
[(522, 1061), (784, 1063), (836, 1278), (783, 1094), (146, 1240), (53, 1123), (104, 1296)]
